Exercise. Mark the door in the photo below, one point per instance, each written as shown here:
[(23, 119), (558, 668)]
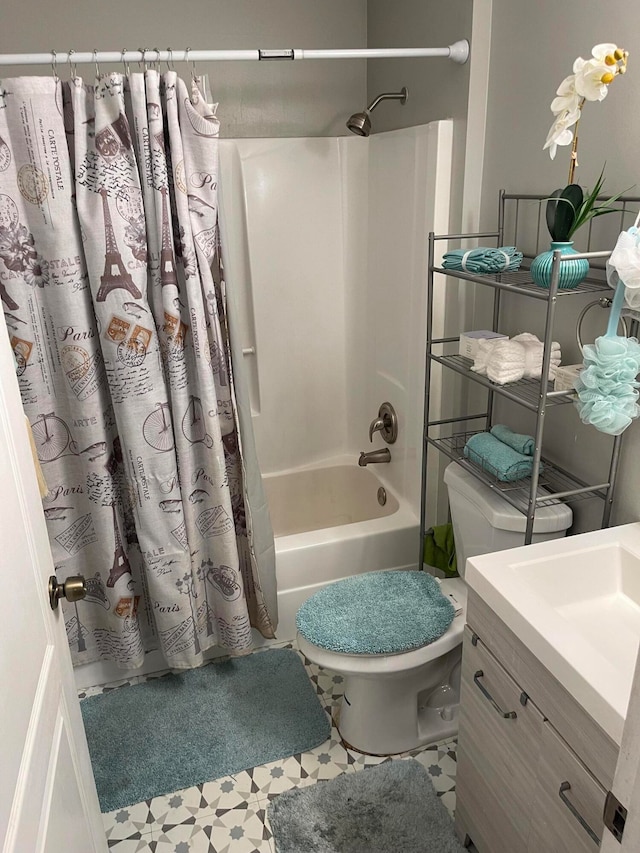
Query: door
[(626, 784), (48, 800)]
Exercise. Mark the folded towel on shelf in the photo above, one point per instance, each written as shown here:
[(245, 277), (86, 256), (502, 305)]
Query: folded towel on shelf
[(482, 355), (483, 259), (497, 458), (506, 362), (519, 441), (534, 350)]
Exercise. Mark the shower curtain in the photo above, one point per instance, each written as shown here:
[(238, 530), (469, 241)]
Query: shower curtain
[(112, 286)]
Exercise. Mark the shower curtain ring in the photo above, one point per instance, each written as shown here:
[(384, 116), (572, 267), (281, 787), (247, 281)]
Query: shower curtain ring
[(156, 61), (95, 59), (125, 64), (170, 64), (54, 65), (193, 65), (72, 65)]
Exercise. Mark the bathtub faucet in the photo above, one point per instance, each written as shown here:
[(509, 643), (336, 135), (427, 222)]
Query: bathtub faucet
[(383, 455)]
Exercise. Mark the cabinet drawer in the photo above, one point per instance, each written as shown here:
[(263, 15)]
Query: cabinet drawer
[(497, 754), (575, 726), (569, 802)]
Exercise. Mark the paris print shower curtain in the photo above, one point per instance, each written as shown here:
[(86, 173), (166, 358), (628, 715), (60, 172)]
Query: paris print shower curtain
[(112, 286)]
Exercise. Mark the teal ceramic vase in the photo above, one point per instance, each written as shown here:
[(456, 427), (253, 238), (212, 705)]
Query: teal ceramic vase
[(571, 272)]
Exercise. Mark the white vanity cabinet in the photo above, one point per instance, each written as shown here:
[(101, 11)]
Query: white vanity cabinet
[(533, 767)]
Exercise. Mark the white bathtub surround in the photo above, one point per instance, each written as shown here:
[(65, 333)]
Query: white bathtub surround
[(325, 247)]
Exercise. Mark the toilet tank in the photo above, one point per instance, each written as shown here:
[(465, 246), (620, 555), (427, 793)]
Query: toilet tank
[(483, 521)]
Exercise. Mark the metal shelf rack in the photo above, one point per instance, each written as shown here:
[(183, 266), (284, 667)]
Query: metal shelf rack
[(549, 483)]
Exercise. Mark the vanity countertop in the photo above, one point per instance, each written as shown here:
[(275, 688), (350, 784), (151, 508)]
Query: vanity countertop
[(575, 603)]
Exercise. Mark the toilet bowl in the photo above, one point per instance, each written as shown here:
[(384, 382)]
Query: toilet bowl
[(398, 701)]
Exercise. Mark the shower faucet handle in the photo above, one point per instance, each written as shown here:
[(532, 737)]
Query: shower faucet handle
[(386, 424), (376, 425)]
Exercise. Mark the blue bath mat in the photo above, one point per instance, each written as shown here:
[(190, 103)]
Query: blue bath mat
[(376, 613), (181, 729), (389, 807)]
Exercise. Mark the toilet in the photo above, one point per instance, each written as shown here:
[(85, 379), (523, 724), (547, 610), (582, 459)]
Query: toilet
[(405, 698)]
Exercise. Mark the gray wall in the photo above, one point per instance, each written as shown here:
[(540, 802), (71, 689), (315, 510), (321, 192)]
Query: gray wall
[(533, 48), (438, 88), (306, 98)]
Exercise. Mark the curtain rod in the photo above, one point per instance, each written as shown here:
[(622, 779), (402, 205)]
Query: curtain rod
[(458, 52)]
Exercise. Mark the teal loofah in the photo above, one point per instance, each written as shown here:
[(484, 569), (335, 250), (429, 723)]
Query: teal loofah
[(376, 613), (607, 387)]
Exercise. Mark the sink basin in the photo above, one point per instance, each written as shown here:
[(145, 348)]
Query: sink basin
[(575, 603)]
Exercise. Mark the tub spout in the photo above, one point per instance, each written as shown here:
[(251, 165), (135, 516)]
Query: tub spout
[(383, 455)]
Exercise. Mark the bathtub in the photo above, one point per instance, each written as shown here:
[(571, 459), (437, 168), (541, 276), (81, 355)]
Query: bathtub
[(328, 525)]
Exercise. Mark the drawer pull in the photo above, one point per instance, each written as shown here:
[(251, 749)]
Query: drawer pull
[(507, 715), (565, 786)]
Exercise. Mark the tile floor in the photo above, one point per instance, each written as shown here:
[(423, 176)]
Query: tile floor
[(229, 815)]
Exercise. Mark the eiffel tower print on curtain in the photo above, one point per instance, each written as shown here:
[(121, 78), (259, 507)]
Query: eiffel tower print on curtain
[(115, 273), (167, 258), (120, 564)]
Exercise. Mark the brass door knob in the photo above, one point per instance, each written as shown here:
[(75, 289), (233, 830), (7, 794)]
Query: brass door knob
[(73, 589)]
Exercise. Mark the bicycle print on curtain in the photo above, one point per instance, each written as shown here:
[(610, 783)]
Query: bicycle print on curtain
[(113, 292)]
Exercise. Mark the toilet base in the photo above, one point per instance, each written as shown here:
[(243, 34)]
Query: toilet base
[(397, 713)]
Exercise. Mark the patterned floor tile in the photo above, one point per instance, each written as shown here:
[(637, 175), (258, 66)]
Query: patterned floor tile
[(449, 800), (136, 844), (228, 815), (106, 688), (127, 822), (326, 761), (239, 830)]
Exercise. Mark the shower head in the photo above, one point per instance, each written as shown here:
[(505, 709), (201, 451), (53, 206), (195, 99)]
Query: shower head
[(360, 123)]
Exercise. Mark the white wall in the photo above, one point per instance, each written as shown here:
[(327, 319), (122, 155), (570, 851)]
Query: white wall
[(325, 245)]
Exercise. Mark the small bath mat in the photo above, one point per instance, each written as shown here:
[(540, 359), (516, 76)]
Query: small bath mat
[(376, 613), (389, 807), (182, 729)]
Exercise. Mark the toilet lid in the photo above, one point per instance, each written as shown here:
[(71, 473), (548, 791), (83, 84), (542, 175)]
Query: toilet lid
[(376, 613)]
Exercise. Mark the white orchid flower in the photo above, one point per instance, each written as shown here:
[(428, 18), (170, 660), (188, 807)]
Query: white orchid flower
[(601, 51), (592, 77), (567, 97), (589, 82), (560, 132)]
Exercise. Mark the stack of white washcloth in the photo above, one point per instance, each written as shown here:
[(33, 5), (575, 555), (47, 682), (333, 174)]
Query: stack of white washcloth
[(520, 357)]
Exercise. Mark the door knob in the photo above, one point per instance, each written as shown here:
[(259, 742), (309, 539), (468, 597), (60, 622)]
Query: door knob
[(73, 589)]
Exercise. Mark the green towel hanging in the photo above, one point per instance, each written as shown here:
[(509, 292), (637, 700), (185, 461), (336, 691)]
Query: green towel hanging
[(440, 549)]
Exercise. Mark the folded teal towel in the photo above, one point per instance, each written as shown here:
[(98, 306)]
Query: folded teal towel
[(483, 260), (497, 458), (520, 442)]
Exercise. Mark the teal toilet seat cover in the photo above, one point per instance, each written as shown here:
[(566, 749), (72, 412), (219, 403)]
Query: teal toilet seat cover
[(376, 613)]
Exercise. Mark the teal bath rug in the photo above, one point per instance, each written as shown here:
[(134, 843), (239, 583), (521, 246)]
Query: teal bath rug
[(392, 806), (181, 729)]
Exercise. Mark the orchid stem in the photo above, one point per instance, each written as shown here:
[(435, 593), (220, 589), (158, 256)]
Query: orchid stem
[(574, 148)]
